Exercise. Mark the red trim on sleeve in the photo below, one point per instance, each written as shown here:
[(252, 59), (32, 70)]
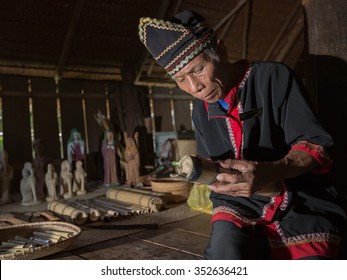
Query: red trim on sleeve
[(318, 152)]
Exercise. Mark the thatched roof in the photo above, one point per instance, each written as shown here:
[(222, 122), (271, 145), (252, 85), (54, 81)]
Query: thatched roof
[(98, 39)]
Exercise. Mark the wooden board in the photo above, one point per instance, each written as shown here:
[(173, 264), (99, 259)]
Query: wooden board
[(128, 248)]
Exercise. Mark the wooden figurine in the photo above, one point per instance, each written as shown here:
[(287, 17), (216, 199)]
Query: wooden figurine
[(6, 176), (80, 179), (102, 121), (28, 185), (132, 158), (75, 148), (109, 153), (51, 180), (39, 164), (66, 180)]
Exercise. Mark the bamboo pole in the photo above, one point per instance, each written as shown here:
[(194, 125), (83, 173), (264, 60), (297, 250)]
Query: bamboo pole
[(238, 6)]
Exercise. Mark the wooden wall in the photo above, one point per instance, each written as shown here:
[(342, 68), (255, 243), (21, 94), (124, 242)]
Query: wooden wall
[(326, 72)]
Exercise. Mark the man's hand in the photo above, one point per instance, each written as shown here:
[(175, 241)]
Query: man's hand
[(246, 178), (249, 177)]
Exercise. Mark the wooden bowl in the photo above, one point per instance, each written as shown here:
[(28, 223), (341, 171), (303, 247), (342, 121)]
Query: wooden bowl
[(176, 190)]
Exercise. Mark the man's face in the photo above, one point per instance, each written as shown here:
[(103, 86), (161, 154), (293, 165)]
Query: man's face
[(202, 79)]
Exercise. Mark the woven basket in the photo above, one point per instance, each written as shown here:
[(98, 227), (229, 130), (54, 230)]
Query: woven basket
[(176, 190), (26, 230)]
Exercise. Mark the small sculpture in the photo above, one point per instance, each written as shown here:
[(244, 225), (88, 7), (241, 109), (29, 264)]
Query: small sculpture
[(79, 179), (51, 180), (75, 148), (66, 180), (109, 153), (132, 158), (102, 121), (6, 176), (39, 164), (28, 185)]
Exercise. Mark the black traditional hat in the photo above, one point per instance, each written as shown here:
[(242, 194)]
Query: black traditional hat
[(176, 42)]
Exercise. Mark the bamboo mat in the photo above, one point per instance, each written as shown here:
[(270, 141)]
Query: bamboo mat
[(92, 236)]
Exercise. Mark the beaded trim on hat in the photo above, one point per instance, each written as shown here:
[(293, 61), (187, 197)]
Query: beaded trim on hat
[(189, 52)]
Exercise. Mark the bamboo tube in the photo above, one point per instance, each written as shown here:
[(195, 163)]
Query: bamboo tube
[(64, 234), (93, 214), (150, 201), (100, 207), (196, 169), (116, 205), (26, 244), (10, 245), (106, 218), (40, 241), (26, 240), (120, 210), (76, 216), (49, 236), (16, 242), (132, 207)]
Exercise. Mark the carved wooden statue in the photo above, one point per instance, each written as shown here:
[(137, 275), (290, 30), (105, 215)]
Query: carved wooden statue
[(132, 158), (104, 122), (6, 176), (28, 185), (109, 153), (80, 179), (66, 180), (39, 164), (51, 180)]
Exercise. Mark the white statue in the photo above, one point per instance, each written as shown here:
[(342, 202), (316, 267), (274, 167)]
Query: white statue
[(28, 185), (75, 148), (66, 180), (51, 180), (6, 176), (80, 179)]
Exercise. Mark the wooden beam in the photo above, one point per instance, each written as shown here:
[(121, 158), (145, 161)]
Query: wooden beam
[(304, 2), (283, 29), (227, 27), (69, 38), (155, 84), (116, 68), (68, 74), (238, 6)]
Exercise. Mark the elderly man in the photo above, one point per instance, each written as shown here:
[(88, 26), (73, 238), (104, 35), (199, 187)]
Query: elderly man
[(254, 119)]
